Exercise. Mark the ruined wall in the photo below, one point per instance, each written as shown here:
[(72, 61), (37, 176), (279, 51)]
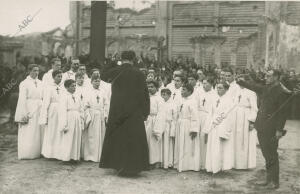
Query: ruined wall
[(289, 46)]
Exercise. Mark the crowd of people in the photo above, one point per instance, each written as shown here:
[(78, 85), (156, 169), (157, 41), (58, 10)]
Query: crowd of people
[(200, 118)]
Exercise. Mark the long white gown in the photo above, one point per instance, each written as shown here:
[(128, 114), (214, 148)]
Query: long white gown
[(30, 135), (93, 135), (155, 146), (49, 116), (245, 140), (219, 124), (70, 117), (204, 103), (165, 126), (187, 150)]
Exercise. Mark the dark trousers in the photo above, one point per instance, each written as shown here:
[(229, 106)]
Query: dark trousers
[(269, 144)]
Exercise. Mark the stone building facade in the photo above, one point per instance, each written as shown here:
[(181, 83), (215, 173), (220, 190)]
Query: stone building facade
[(239, 33)]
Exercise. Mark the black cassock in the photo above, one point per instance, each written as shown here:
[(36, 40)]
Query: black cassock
[(125, 145)]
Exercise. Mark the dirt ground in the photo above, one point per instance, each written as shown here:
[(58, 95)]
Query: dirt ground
[(52, 176)]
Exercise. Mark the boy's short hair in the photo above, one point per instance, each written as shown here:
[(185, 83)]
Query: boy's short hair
[(166, 90), (55, 59), (54, 73), (128, 55), (189, 87), (151, 81), (31, 66), (210, 80), (193, 75), (68, 83), (78, 75)]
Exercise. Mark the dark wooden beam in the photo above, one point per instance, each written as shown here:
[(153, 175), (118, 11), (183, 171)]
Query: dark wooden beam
[(98, 31)]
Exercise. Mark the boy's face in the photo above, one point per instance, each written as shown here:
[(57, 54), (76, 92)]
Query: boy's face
[(151, 88), (221, 90), (200, 75), (96, 83), (34, 72), (57, 78), (178, 82), (206, 86), (79, 81), (150, 76), (165, 96), (184, 92), (82, 69), (56, 66), (229, 77), (192, 81), (72, 88)]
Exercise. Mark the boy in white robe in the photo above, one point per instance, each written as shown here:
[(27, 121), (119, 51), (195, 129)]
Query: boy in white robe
[(81, 89), (93, 135), (165, 127), (71, 123), (153, 137), (47, 77), (244, 132), (218, 127), (176, 91), (192, 79), (71, 73), (204, 102), (187, 149), (87, 80), (49, 117), (30, 134)]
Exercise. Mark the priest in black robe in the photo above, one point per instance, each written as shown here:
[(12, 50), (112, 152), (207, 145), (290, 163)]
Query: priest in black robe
[(125, 145)]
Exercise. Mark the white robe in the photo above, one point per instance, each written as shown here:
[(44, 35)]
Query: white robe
[(165, 126), (187, 150), (93, 135), (47, 78), (245, 140), (204, 103), (219, 124), (49, 116), (81, 93), (30, 135), (155, 146), (71, 117)]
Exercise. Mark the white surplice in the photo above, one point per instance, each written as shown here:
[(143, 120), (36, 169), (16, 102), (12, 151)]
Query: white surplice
[(47, 78), (244, 139), (187, 150), (30, 135), (165, 126), (93, 135), (81, 92), (204, 103), (219, 124), (155, 146), (49, 116), (70, 117)]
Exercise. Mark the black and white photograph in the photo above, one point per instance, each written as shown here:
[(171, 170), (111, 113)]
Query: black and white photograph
[(149, 97)]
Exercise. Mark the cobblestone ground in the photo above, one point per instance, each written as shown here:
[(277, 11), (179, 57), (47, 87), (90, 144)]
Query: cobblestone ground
[(52, 176)]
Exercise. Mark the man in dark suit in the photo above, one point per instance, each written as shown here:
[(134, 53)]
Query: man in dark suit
[(125, 145), (270, 121)]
